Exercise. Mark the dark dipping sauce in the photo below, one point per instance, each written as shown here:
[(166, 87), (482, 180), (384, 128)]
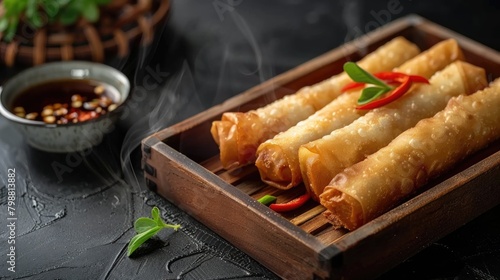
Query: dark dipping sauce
[(66, 101)]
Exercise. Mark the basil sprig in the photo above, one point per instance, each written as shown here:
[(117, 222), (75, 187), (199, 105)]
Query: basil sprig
[(38, 13), (146, 228), (359, 75)]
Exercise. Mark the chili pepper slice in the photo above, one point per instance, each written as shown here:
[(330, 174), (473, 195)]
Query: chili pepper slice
[(351, 86), (398, 77), (395, 94), (291, 205), (419, 79), (389, 77)]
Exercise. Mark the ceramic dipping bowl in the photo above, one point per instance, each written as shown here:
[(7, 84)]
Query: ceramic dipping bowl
[(63, 136)]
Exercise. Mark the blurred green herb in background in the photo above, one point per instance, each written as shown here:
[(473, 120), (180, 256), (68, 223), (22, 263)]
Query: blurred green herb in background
[(38, 13)]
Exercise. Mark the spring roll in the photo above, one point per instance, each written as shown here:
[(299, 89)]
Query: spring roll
[(322, 159), (239, 134), (278, 158), (369, 188)]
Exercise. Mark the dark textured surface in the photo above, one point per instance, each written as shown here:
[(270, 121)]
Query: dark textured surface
[(76, 211)]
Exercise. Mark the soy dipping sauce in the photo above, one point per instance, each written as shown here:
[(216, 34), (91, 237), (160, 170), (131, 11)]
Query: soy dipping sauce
[(66, 101)]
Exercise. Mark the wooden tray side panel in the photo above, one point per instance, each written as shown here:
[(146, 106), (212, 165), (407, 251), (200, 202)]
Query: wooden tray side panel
[(240, 219), (474, 52)]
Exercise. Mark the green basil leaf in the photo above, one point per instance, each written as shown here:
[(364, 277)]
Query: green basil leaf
[(69, 16), (371, 93), (36, 20), (32, 14), (62, 2), (14, 7), (359, 75), (146, 228), (143, 224), (3, 24), (102, 2), (70, 13), (91, 12), (31, 8), (140, 238), (51, 9), (10, 32), (155, 214)]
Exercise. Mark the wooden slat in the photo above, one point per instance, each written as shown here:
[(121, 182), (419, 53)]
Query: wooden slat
[(252, 186), (330, 235), (316, 225), (213, 164), (308, 215), (233, 176)]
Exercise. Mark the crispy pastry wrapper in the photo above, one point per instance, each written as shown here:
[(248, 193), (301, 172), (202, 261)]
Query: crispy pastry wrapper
[(239, 134), (322, 159), (371, 187), (278, 158)]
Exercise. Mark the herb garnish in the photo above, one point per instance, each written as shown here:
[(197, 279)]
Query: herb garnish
[(371, 96), (359, 75), (146, 228), (38, 13)]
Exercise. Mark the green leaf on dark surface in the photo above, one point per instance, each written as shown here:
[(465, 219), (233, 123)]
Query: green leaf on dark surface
[(147, 228), (155, 214), (143, 224), (140, 238)]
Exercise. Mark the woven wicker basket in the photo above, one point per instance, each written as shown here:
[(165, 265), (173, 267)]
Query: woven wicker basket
[(122, 23)]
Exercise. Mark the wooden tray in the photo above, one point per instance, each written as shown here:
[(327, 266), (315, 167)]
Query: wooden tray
[(181, 164)]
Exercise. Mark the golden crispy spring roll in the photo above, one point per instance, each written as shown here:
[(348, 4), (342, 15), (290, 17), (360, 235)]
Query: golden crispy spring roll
[(239, 134), (371, 187), (278, 159), (322, 159)]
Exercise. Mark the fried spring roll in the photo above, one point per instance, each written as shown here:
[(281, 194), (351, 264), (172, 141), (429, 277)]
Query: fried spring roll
[(322, 159), (239, 134), (278, 158), (371, 187)]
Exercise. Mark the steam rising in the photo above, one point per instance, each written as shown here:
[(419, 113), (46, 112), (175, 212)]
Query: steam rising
[(175, 96), (351, 13), (243, 27), (172, 103)]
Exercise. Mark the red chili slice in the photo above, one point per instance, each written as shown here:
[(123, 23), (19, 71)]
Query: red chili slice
[(393, 95), (291, 205), (418, 79), (389, 77), (398, 77), (351, 86)]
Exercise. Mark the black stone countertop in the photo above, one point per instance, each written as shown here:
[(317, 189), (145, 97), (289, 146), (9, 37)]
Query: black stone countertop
[(76, 211)]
